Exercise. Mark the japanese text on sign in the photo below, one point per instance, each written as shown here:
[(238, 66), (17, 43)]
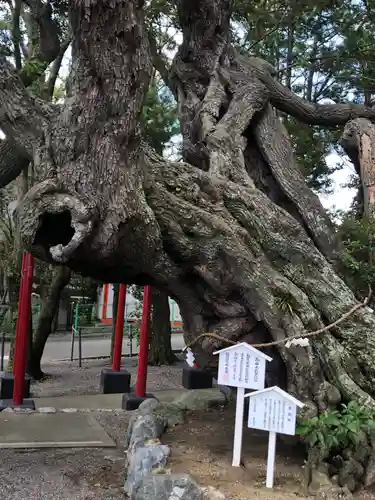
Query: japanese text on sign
[(272, 412), (241, 368)]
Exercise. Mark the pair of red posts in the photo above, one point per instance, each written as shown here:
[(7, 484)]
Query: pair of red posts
[(140, 388), (22, 332)]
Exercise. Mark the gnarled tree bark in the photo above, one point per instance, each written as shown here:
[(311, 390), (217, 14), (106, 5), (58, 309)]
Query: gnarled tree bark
[(161, 352), (233, 234)]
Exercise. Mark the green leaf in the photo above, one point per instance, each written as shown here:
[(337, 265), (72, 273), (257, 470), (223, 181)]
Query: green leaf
[(302, 430)]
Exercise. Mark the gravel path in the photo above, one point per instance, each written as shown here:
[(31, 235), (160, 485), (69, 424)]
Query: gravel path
[(66, 378), (67, 474)]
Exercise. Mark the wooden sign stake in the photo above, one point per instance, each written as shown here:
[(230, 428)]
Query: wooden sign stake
[(272, 410), (271, 459), (238, 427)]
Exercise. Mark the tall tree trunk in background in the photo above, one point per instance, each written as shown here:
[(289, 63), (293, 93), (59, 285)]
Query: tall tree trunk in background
[(358, 140), (15, 281), (160, 342), (116, 289), (47, 313)]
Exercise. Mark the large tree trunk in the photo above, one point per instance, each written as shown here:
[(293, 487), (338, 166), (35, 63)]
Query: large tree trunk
[(47, 313), (233, 234), (161, 342)]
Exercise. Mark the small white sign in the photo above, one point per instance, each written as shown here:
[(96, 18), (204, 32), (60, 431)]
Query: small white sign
[(272, 410), (241, 365), (244, 367)]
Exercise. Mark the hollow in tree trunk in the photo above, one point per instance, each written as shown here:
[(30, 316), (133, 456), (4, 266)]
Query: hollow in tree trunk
[(161, 334), (232, 233), (48, 310)]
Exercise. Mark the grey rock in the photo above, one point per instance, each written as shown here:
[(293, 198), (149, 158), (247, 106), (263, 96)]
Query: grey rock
[(200, 399), (335, 480), (211, 493), (134, 417), (47, 410), (169, 412), (362, 449), (334, 493), (146, 427), (148, 405), (369, 476), (348, 482), (166, 414), (319, 481), (225, 390), (142, 460), (347, 453), (349, 474), (167, 487), (23, 410)]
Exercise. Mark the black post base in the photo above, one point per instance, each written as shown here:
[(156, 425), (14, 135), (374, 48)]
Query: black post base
[(7, 385), (195, 378), (114, 382), (131, 401), (28, 404)]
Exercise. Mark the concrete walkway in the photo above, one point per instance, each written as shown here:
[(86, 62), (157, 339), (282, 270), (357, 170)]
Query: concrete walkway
[(59, 430), (64, 429), (97, 401)]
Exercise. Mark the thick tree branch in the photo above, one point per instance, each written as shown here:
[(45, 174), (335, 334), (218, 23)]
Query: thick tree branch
[(18, 114), (12, 162), (273, 142), (313, 114), (22, 116), (16, 33), (55, 68), (45, 46), (159, 62), (48, 46)]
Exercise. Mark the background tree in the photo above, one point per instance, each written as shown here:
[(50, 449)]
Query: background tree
[(159, 123), (20, 27)]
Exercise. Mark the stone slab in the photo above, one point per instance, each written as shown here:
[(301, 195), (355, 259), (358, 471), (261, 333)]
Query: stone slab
[(95, 401), (61, 430)]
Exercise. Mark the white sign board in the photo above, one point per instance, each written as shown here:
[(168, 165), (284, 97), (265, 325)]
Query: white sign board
[(272, 410), (242, 366)]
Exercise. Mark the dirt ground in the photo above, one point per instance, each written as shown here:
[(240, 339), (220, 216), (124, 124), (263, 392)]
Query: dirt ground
[(65, 378), (68, 474), (203, 448)]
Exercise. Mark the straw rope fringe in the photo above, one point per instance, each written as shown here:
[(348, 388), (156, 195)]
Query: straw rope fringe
[(293, 337)]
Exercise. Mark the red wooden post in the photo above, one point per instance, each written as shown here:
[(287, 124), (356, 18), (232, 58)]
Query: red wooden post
[(19, 312), (22, 329), (117, 348), (140, 389)]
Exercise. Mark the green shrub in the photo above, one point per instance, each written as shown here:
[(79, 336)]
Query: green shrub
[(334, 430)]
